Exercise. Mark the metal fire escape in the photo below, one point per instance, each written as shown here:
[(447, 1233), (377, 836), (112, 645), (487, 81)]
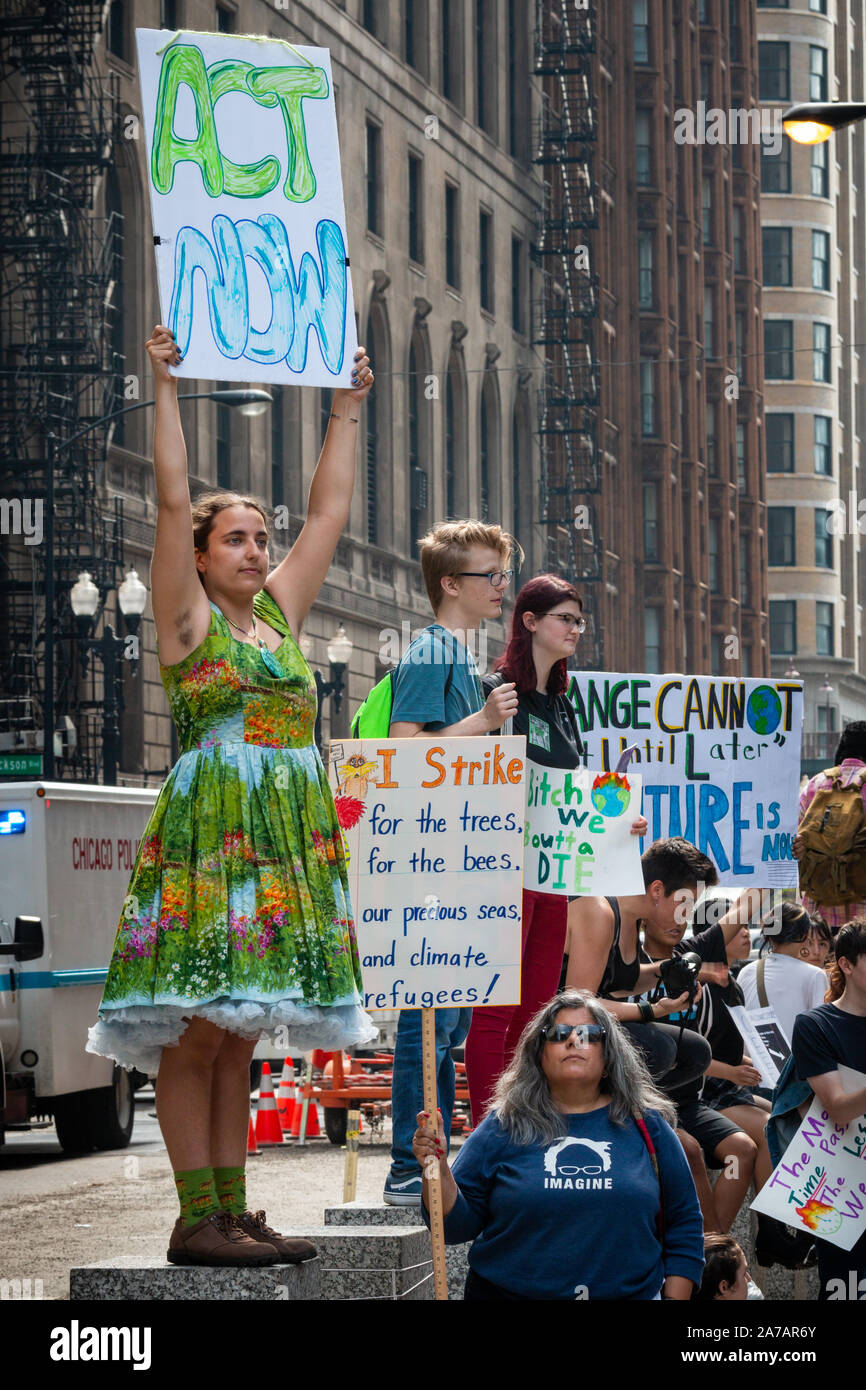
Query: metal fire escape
[(58, 372), (565, 317)]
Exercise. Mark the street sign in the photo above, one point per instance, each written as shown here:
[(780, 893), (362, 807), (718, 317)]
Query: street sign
[(20, 764)]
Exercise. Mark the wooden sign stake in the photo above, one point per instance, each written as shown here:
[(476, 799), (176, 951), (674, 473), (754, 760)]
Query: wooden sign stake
[(431, 1173), (350, 1175)]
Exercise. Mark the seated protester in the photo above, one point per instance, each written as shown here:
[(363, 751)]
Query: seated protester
[(604, 958), (733, 1128), (568, 1183), (825, 1038), (726, 1273), (784, 977)]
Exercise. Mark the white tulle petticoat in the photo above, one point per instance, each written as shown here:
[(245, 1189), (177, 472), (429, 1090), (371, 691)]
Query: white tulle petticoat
[(135, 1034)]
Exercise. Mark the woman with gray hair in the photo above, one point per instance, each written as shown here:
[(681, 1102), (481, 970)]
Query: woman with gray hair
[(574, 1185)]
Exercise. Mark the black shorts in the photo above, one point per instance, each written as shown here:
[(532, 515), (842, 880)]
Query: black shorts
[(722, 1095), (707, 1126)]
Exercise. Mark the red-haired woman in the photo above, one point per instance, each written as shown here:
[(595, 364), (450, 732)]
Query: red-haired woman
[(545, 626)]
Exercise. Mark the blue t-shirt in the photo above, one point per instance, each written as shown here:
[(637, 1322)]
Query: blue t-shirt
[(419, 681), (549, 1221)]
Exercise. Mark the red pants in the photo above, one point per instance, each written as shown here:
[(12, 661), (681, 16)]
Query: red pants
[(495, 1031)]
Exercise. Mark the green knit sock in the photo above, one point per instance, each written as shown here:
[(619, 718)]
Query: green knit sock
[(231, 1189), (197, 1194)]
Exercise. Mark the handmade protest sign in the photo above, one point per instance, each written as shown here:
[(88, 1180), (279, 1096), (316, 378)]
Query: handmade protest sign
[(247, 204), (764, 1041), (820, 1183), (719, 760), (434, 830), (577, 838)]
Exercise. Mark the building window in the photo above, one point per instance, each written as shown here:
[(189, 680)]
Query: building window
[(416, 209), (645, 270), (115, 311), (780, 442), (647, 398), (117, 29), (640, 22), (776, 255), (716, 653), (821, 352), (643, 148), (706, 76), (781, 545), (818, 6), (741, 456), (168, 15), (326, 397), (707, 210), (820, 171), (817, 73), (824, 630), (278, 446), (826, 718), (486, 72), (739, 240), (451, 55), (225, 19), (776, 169), (651, 640), (372, 18), (521, 466), (417, 474), (823, 453), (712, 441), (413, 33), (709, 321), (773, 71), (820, 260), (485, 259), (823, 539), (372, 468), (517, 295), (713, 555), (783, 627), (452, 237), (743, 548), (488, 452), (772, 4), (650, 523), (739, 344), (374, 178), (223, 434), (734, 37), (518, 79), (779, 349)]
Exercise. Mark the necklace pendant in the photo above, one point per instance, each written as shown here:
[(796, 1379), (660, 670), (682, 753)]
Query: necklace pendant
[(270, 660)]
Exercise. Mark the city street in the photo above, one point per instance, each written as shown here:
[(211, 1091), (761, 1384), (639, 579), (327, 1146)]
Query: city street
[(57, 1212)]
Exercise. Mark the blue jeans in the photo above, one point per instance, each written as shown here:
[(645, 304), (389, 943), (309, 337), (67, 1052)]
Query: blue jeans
[(407, 1086)]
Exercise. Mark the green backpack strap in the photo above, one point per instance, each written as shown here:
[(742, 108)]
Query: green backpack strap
[(373, 718)]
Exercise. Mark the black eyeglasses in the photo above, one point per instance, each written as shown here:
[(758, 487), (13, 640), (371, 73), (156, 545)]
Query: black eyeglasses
[(496, 577), (586, 1033), (568, 620)]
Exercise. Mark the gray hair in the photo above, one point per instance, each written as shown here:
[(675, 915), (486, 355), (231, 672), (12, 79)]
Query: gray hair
[(522, 1099)]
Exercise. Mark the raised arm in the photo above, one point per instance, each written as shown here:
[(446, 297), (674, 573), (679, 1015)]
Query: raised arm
[(180, 606), (297, 579)]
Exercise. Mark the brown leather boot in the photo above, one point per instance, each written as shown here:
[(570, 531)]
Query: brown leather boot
[(289, 1251), (217, 1240)]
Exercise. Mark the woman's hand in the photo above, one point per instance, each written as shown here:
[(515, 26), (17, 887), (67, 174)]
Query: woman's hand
[(639, 826), (714, 972), (672, 1006), (501, 704), (163, 353), (745, 1074), (362, 379), (797, 846), (429, 1147)]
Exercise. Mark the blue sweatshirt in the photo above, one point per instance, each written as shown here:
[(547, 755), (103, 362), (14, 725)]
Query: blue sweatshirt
[(577, 1218)]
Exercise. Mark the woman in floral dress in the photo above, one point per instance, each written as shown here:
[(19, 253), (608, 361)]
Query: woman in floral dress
[(238, 919)]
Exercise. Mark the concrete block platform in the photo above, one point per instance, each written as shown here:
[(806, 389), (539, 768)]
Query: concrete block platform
[(131, 1277), (359, 1214), (354, 1262)]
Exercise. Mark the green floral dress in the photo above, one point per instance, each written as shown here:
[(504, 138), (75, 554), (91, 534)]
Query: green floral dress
[(238, 907)]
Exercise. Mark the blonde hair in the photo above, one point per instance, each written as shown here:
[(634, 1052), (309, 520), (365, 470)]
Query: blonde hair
[(444, 547), (208, 505)]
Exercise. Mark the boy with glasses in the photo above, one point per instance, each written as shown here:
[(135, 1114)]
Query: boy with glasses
[(437, 691)]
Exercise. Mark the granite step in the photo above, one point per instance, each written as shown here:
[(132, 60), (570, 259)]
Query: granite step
[(136, 1278), (357, 1214)]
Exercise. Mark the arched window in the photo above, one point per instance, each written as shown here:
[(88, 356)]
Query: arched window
[(417, 437), (115, 307), (455, 436), (377, 417), (488, 450), (521, 472)]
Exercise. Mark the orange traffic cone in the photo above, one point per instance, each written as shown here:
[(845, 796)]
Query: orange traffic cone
[(286, 1096), (313, 1127), (267, 1120), (252, 1146)]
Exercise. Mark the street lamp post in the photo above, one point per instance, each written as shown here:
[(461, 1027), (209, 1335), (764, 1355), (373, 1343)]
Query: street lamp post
[(339, 654), (827, 691), (249, 401), (132, 597), (811, 122)]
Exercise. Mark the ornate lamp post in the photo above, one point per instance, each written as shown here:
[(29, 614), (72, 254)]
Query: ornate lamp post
[(339, 655), (132, 597)]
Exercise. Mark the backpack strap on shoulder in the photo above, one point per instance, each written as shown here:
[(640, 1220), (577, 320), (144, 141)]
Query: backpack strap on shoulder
[(653, 1158)]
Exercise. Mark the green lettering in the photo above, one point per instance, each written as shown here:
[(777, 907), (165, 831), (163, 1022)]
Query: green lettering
[(290, 86), (183, 65), (243, 180)]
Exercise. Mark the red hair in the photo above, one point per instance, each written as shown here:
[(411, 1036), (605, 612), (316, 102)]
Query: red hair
[(539, 596)]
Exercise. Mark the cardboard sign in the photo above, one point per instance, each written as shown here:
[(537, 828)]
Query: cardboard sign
[(719, 759), (578, 836), (820, 1184), (434, 831), (765, 1042), (247, 204)]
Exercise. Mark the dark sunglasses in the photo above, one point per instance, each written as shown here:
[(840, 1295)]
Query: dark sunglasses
[(586, 1032)]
